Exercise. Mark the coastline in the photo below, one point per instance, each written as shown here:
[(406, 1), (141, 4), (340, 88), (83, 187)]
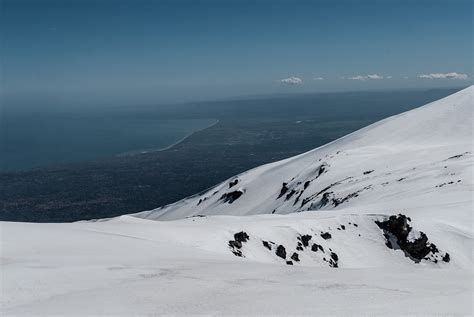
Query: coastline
[(147, 151)]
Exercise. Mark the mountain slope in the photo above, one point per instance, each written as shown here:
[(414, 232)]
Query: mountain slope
[(318, 234), (419, 156)]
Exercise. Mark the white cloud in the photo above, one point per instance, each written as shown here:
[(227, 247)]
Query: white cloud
[(367, 77), (358, 77), (452, 75), (291, 81), (318, 78), (374, 76)]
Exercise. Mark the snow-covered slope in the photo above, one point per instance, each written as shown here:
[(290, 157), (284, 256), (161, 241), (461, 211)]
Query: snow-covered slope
[(408, 160), (315, 234)]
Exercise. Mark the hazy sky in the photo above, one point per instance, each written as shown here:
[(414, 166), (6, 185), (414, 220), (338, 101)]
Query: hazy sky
[(183, 50)]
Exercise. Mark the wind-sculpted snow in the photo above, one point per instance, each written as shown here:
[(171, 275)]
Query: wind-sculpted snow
[(378, 222)]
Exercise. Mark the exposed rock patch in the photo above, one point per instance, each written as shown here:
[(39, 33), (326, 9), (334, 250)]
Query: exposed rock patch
[(236, 244), (315, 247), (267, 245), (283, 190), (305, 239), (458, 156), (233, 183), (281, 252), (231, 196), (326, 235), (400, 235)]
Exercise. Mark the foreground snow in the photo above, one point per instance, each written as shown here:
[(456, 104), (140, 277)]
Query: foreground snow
[(307, 235), (129, 266)]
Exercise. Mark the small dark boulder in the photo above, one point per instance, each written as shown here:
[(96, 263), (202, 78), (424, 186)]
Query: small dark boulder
[(305, 239), (235, 244), (326, 235), (289, 262), (368, 172), (334, 257), (281, 252), (241, 236), (295, 257), (299, 246), (267, 245), (446, 258), (237, 253), (343, 227), (233, 183), (315, 247)]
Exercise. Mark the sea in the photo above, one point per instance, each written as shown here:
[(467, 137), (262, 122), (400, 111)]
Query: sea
[(38, 140)]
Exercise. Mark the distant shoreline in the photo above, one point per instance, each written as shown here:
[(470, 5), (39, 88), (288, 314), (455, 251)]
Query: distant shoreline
[(147, 151)]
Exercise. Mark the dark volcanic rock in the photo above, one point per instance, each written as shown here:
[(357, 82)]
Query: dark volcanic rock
[(396, 231), (233, 183), (236, 245), (237, 253), (290, 194), (295, 257), (325, 199), (232, 196), (305, 239), (326, 235), (267, 245), (458, 155), (322, 168), (446, 258), (241, 236), (299, 246), (315, 247), (283, 190), (306, 184), (281, 252), (368, 172), (289, 262)]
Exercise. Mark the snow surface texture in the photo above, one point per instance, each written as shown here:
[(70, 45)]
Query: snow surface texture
[(308, 235)]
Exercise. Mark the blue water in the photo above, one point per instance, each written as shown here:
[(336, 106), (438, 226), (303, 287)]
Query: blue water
[(35, 141)]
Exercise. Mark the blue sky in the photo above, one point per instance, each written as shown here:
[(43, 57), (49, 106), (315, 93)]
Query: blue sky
[(167, 51)]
